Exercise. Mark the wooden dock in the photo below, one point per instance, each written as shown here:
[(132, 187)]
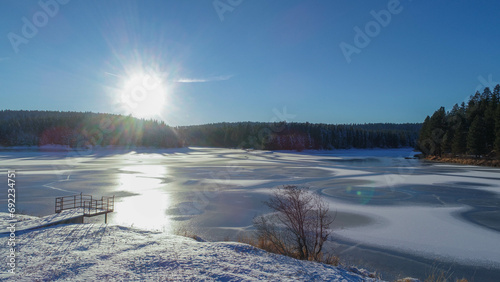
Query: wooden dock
[(91, 206), (69, 209), (64, 217)]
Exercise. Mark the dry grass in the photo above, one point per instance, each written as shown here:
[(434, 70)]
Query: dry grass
[(266, 245), (466, 161), (440, 275), (186, 233)]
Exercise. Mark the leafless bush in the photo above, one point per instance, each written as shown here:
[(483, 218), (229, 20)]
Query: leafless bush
[(298, 226)]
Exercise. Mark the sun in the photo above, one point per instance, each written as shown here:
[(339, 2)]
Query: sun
[(144, 94)]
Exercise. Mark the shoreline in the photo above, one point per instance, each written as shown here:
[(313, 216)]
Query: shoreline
[(464, 161)]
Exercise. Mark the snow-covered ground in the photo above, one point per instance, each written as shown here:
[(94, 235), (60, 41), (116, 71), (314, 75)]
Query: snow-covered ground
[(99, 252), (30, 222), (440, 212)]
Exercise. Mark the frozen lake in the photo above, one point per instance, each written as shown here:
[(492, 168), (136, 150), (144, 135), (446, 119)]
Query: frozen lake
[(393, 214)]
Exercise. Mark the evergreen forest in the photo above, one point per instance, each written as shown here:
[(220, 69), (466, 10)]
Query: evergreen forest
[(80, 130), (471, 129)]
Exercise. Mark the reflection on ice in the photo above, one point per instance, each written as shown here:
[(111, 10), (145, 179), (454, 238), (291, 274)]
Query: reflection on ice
[(147, 170), (136, 183), (146, 209)]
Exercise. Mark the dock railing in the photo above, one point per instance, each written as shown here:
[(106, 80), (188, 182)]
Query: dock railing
[(99, 206), (91, 206)]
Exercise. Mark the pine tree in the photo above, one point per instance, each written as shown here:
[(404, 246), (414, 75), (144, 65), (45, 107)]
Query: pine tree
[(425, 131), (472, 107), (497, 130), (438, 130), (459, 145), (490, 101), (495, 97), (453, 120), (424, 140), (476, 139), (447, 142)]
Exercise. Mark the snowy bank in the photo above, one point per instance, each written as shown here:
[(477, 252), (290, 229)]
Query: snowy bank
[(94, 252)]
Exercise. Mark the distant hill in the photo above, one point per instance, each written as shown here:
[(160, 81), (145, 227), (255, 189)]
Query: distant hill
[(81, 130)]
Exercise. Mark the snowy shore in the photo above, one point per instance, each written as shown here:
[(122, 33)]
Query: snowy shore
[(95, 252)]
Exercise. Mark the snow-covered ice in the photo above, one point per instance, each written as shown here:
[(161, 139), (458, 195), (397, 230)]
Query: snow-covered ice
[(441, 212)]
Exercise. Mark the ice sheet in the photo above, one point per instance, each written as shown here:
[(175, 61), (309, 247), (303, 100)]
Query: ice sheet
[(444, 211)]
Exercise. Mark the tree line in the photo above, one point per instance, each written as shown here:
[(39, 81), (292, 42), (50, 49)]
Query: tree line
[(81, 130), (471, 129), (301, 136)]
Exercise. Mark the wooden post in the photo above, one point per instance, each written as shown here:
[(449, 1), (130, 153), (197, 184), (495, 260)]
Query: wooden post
[(106, 218)]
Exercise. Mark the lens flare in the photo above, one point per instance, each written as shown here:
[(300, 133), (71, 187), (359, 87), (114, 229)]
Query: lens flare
[(144, 94)]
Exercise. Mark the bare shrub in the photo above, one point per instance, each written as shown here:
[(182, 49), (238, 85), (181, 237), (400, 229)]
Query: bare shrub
[(331, 259), (298, 226)]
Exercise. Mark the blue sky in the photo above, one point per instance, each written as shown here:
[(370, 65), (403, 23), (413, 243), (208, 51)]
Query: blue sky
[(242, 60)]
